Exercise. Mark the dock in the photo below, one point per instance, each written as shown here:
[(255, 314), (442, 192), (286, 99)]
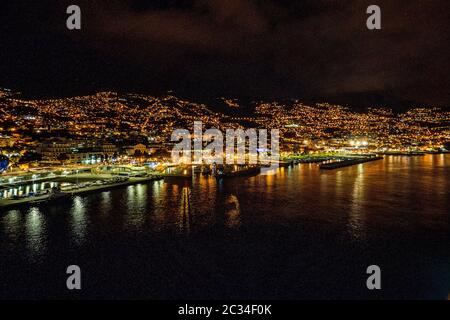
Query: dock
[(404, 154), (312, 160), (240, 173), (177, 177), (348, 162), (42, 199)]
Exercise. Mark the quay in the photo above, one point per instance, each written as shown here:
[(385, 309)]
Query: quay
[(284, 164), (312, 160), (348, 162), (299, 159), (175, 173), (40, 175), (41, 199), (177, 177), (404, 153), (249, 171)]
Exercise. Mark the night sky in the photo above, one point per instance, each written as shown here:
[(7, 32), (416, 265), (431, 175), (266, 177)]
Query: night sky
[(264, 49)]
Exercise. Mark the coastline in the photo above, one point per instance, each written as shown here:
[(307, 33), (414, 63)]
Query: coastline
[(9, 203)]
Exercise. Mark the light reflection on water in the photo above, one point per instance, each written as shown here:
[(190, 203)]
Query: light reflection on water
[(79, 219), (356, 219), (272, 234), (105, 203), (35, 232), (410, 193), (184, 222), (233, 212)]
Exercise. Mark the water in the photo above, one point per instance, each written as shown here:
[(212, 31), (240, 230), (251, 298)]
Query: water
[(303, 233)]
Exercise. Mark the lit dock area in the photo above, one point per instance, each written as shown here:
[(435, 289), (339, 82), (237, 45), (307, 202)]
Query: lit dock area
[(341, 163), (78, 189)]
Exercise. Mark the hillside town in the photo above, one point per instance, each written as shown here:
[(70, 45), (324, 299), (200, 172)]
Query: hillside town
[(136, 128)]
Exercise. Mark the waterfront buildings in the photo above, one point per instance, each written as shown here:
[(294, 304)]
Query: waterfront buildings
[(76, 151), (105, 124)]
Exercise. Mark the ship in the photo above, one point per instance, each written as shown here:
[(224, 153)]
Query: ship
[(248, 171)]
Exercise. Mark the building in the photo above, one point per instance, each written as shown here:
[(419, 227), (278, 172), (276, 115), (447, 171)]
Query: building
[(107, 148), (76, 151), (136, 150), (85, 155), (53, 149)]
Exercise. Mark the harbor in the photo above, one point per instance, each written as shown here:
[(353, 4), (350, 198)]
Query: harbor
[(36, 188), (91, 184), (44, 186), (302, 214), (52, 187)]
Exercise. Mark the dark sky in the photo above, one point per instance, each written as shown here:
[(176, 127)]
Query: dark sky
[(239, 48)]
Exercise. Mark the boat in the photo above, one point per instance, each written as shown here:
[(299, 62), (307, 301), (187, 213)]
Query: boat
[(185, 174)]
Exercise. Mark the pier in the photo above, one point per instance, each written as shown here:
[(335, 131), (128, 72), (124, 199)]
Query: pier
[(341, 163), (404, 153), (90, 188), (240, 172)]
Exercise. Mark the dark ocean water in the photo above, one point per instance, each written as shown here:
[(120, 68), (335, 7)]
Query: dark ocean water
[(303, 233)]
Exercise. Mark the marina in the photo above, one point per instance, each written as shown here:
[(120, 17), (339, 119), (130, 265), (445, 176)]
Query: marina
[(57, 185), (185, 153), (287, 230)]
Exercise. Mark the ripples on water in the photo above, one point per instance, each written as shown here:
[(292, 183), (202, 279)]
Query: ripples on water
[(300, 233)]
